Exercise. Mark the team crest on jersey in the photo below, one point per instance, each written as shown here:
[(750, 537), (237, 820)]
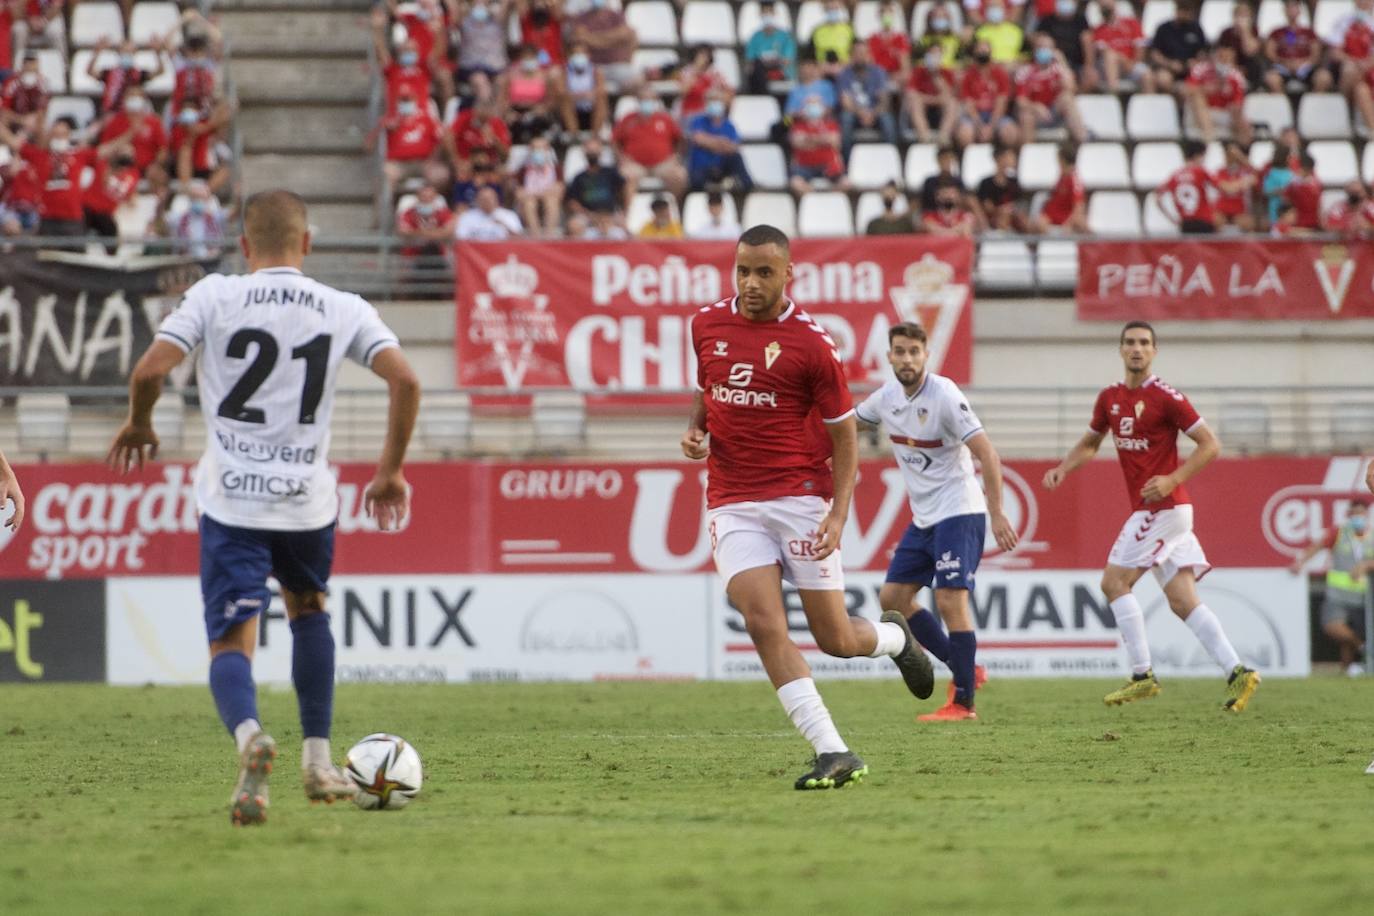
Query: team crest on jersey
[(922, 413), (720, 347), (1116, 409), (1139, 409), (771, 354)]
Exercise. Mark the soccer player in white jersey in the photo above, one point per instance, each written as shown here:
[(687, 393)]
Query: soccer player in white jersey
[(935, 435), (1144, 417), (271, 344), (771, 394)]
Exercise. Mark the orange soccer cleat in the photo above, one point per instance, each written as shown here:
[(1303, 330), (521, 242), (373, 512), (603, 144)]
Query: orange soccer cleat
[(950, 712), (980, 677)]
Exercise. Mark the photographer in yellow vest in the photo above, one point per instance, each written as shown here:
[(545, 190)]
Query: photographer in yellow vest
[(1347, 580)]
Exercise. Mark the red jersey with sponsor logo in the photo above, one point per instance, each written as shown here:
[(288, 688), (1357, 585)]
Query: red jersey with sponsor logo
[(1188, 189), (984, 89), (923, 80), (1068, 193), (822, 156), (21, 99), (1145, 423), (401, 80), (889, 49), (59, 174), (412, 137), (1040, 84), (769, 387), (1236, 203), (1221, 91), (1293, 44), (109, 188), (1122, 35), (149, 136), (647, 141)]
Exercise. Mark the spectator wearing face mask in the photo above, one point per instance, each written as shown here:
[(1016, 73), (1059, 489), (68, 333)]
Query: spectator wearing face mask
[(815, 141), (406, 72), (896, 218), (483, 49), (999, 195), (478, 130), (946, 176), (1066, 207), (600, 188), (1351, 550), (541, 25), (976, 11), (199, 230), (118, 79), (413, 136), (137, 125), (24, 95), (863, 100), (771, 54), (539, 191), (833, 38), (529, 96), (1046, 96), (487, 221), (940, 34), (197, 72), (698, 78), (810, 84), (1215, 93), (647, 140), (425, 226), (718, 226), (949, 217), (425, 23), (111, 184), (194, 149), (662, 224), (57, 161), (39, 22), (930, 101), (1353, 215), (611, 43), (889, 47), (585, 103), (1003, 37), (984, 95), (1066, 27), (714, 157), (1116, 50)]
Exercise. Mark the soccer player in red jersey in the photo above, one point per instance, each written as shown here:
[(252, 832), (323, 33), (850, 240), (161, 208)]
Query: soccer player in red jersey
[(1187, 188), (1144, 417), (773, 399)]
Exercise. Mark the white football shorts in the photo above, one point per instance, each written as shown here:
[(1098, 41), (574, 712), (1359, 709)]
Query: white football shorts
[(1162, 540), (778, 532)]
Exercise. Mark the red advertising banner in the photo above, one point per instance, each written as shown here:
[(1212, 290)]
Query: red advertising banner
[(480, 517), (615, 316), (1200, 280)]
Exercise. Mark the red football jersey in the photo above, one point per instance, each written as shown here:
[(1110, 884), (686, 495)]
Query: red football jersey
[(1188, 188), (400, 80), (1068, 193), (59, 174), (1040, 84), (109, 188), (149, 136), (983, 90), (1122, 35), (1237, 203), (769, 388), (1222, 92), (1145, 423), (889, 49), (1305, 194), (923, 80), (1293, 46), (813, 157), (412, 137)]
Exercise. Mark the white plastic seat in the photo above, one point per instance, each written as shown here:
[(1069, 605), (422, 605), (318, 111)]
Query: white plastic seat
[(872, 165), (755, 115), (1038, 167), (134, 215), (1270, 109), (1330, 197), (78, 107), (920, 164), (867, 19), (625, 105), (1335, 159), (727, 62), (749, 14), (1323, 116), (1214, 160), (654, 21), (1004, 264), (1156, 215), (766, 164), (977, 164), (870, 207), (93, 20), (151, 20), (775, 209), (1056, 264), (574, 162), (1103, 165), (809, 15), (1367, 164), (1114, 213), (81, 83), (1153, 163), (921, 12), (1261, 152), (695, 212), (1328, 13), (1152, 117), (559, 419), (1215, 18), (661, 59), (53, 68), (1155, 14), (641, 213), (163, 84), (1102, 116), (709, 22), (825, 214)]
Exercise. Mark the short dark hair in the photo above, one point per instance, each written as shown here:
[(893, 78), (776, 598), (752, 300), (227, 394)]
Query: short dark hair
[(906, 329), (1359, 502), (1306, 161), (1193, 148), (764, 234), (714, 197), (946, 151), (67, 120), (1068, 152), (1131, 325), (659, 203)]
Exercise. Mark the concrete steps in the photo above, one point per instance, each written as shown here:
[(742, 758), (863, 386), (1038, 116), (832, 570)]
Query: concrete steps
[(272, 80), (303, 128), (295, 32)]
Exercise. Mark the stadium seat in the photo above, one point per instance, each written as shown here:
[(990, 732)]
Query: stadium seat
[(641, 211), (574, 162), (445, 421), (1261, 152), (1038, 167), (1153, 163), (515, 159), (1214, 18), (921, 12), (1103, 165), (151, 20), (766, 164), (867, 19), (79, 107), (773, 208), (1327, 13), (648, 60), (920, 164), (1352, 426), (709, 22), (134, 215), (825, 214), (654, 21), (1367, 164), (1004, 264), (727, 62), (1214, 160), (94, 20), (1152, 117), (977, 164), (1156, 216), (755, 115), (748, 22), (870, 207), (81, 83), (695, 213), (1244, 425), (54, 69), (1269, 109), (1154, 14), (872, 165), (559, 419), (809, 15), (1056, 264), (1323, 116), (162, 85), (1102, 116), (44, 419), (1271, 17), (1336, 163), (1114, 213), (625, 105), (1330, 197)]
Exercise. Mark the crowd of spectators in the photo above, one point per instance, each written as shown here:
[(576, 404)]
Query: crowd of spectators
[(65, 174)]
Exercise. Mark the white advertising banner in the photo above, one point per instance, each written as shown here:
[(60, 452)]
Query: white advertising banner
[(436, 628)]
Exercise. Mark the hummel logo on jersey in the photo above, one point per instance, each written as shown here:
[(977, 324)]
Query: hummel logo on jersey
[(720, 348), (771, 354)]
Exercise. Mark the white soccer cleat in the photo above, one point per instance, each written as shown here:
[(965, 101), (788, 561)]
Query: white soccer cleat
[(1369, 770), (248, 805), (327, 784)]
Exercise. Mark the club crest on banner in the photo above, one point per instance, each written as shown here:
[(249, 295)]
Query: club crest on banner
[(512, 318), (930, 297)]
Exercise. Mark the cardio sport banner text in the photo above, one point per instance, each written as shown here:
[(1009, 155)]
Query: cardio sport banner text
[(1273, 279), (615, 316)]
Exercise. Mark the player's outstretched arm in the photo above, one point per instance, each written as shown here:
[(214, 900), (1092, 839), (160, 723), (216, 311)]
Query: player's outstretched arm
[(9, 490), (387, 498), (694, 439), (1079, 455), (981, 447), (136, 440), (1208, 448), (844, 462)]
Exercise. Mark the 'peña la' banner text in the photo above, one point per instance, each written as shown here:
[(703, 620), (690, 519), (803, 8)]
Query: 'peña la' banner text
[(615, 316)]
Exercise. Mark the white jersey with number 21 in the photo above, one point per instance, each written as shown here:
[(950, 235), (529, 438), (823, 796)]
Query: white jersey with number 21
[(272, 343)]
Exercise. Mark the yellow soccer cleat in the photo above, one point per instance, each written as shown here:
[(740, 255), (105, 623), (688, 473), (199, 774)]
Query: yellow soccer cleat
[(1240, 688), (1140, 687)]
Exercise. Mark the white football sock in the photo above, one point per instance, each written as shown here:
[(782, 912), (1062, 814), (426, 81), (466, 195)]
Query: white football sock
[(891, 639), (1130, 620), (315, 753), (244, 731), (808, 713), (1208, 631)]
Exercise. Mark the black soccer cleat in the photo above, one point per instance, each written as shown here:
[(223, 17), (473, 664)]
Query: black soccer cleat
[(834, 771), (912, 661)]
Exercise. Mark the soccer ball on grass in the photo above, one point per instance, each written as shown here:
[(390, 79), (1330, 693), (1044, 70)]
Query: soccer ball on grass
[(386, 770)]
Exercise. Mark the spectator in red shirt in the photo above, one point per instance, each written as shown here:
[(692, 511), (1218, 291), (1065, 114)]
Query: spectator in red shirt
[(197, 66), (815, 138), (1045, 92), (137, 125), (111, 185), (890, 46), (951, 215), (541, 25), (426, 226), (697, 79), (1066, 208), (1286, 223), (478, 131), (40, 22), (125, 73), (647, 141), (1215, 93), (24, 96), (1351, 44), (1188, 189), (930, 98), (1347, 215), (413, 136), (1236, 184), (195, 148), (1115, 50), (408, 71), (1363, 97), (1305, 194), (57, 162), (20, 195), (984, 94), (1295, 54), (7, 11)]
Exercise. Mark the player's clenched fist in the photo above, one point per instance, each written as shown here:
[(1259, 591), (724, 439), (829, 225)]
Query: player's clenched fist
[(694, 444), (1053, 478)]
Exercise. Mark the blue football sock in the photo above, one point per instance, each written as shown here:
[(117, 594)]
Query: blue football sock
[(231, 683), (925, 626), (312, 671), (963, 646)]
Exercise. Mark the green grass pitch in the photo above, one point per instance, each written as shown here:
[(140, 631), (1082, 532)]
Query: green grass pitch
[(677, 798)]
